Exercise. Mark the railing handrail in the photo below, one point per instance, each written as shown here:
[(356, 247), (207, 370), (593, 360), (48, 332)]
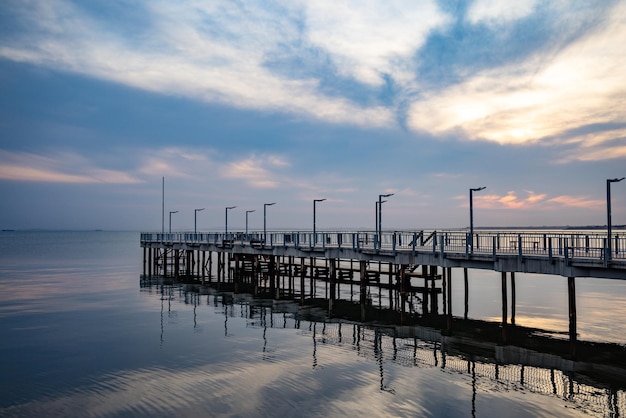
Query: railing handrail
[(574, 244)]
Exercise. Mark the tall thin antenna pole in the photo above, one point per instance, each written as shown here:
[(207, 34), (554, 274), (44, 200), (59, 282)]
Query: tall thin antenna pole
[(163, 205)]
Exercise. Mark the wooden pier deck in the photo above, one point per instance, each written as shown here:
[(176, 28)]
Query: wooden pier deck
[(571, 254)]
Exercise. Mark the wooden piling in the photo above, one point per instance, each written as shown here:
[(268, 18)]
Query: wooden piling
[(333, 284), (466, 283), (302, 274), (165, 262), (571, 296), (512, 298), (449, 277), (363, 288), (504, 306)]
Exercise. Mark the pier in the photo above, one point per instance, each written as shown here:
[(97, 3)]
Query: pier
[(410, 272)]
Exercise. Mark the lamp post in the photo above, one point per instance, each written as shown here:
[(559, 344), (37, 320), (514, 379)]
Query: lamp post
[(380, 213), (247, 212), (376, 211), (173, 211), (609, 245), (265, 205), (226, 221), (195, 219), (471, 202), (314, 234)]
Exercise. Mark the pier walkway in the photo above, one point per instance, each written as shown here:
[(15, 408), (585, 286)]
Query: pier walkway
[(563, 253)]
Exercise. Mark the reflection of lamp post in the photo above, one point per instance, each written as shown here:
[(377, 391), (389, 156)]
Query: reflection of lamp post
[(173, 211), (265, 205), (471, 197), (314, 235), (195, 217), (380, 212), (247, 212), (609, 254), (226, 221)]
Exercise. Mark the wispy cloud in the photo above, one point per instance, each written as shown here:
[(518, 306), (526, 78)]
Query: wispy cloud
[(58, 168), (495, 12), (256, 170), (532, 201)]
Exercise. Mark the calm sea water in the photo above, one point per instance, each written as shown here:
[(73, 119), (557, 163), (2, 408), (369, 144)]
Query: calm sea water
[(82, 337)]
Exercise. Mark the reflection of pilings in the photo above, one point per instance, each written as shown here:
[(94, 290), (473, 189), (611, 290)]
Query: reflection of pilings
[(382, 345)]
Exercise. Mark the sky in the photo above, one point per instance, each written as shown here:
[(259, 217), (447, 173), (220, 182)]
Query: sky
[(241, 103)]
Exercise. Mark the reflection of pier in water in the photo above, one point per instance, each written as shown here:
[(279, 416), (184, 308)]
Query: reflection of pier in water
[(490, 368)]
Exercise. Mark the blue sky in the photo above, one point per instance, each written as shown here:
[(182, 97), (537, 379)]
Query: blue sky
[(245, 103)]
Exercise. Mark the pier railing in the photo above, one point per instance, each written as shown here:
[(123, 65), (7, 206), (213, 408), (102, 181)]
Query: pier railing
[(551, 244)]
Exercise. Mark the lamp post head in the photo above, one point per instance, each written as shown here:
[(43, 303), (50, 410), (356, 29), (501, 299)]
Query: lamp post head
[(230, 207), (173, 211), (250, 211), (615, 180), (269, 204), (319, 200), (385, 195), (478, 189)]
